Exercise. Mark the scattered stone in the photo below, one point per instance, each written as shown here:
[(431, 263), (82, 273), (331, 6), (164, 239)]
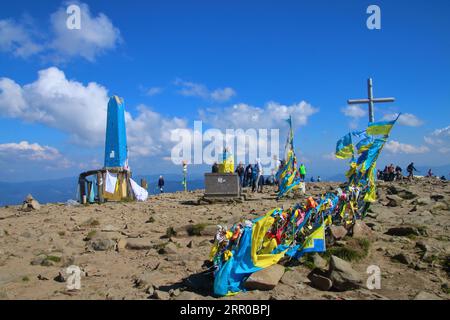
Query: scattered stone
[(190, 244), (100, 244), (394, 201), (361, 230), (319, 262), (320, 282), (338, 232), (265, 279), (423, 295), (38, 260), (403, 231), (440, 206), (110, 228), (2, 233), (138, 244), (161, 295), (169, 248), (187, 295), (342, 275), (61, 277), (174, 292), (422, 201), (121, 244)]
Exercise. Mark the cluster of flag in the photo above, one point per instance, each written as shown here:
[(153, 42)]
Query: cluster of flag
[(289, 175)]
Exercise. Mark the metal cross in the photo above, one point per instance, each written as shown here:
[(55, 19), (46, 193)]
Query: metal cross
[(371, 100)]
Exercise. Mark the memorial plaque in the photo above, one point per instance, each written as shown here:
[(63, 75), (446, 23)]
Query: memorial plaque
[(222, 185)]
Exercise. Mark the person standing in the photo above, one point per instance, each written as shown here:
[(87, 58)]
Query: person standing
[(215, 168), (248, 176), (259, 171), (161, 184), (240, 171), (302, 172), (410, 169)]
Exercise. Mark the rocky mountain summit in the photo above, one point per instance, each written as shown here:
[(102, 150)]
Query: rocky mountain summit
[(159, 249)]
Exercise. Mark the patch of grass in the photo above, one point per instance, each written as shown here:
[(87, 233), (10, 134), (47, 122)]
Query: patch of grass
[(25, 279), (159, 246), (196, 229), (150, 220), (53, 258), (355, 250), (90, 235), (170, 232), (308, 261)]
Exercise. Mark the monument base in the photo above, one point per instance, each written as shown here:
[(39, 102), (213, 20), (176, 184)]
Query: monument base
[(222, 185)]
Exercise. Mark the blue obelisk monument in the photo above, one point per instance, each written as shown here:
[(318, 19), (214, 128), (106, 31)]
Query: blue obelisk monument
[(116, 137)]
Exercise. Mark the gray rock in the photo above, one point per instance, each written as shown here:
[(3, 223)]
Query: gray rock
[(138, 244), (319, 262), (394, 201), (38, 260), (102, 244), (187, 295), (265, 279), (161, 295), (338, 232), (423, 295), (361, 230), (320, 282), (2, 233), (342, 275), (423, 201)]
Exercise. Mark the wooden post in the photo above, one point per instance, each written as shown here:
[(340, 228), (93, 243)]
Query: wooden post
[(100, 182)]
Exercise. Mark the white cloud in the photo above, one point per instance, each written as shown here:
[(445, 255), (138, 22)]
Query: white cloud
[(330, 156), (18, 39), (59, 103), (406, 119), (80, 111), (394, 146), (96, 36), (272, 115), (30, 151), (354, 111), (191, 89), (440, 139), (153, 91)]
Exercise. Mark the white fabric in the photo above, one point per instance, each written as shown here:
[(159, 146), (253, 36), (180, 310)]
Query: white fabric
[(111, 181), (140, 193)]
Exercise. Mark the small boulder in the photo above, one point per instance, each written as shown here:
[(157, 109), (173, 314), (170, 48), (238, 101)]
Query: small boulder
[(265, 279), (394, 201), (361, 230), (138, 244), (425, 201), (423, 295), (338, 232), (30, 204), (403, 258), (342, 275), (100, 244), (319, 262), (437, 196), (161, 295), (320, 282)]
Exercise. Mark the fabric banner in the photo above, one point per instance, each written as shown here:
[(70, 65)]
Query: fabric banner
[(140, 193), (111, 181)]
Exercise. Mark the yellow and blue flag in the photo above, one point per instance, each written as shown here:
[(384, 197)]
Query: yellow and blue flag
[(344, 147)]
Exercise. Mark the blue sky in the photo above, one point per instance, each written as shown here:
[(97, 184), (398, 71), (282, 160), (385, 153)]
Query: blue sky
[(171, 59)]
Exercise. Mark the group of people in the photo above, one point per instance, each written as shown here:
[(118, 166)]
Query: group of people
[(395, 173)]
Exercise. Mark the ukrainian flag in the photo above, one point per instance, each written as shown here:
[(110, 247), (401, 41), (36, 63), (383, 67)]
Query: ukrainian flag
[(315, 242), (381, 127), (364, 145), (344, 147)]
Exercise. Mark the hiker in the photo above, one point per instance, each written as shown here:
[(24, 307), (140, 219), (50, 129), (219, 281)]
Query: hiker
[(318, 179), (411, 170), (430, 173), (258, 172), (312, 179), (391, 172), (161, 184), (260, 184), (240, 171), (398, 173), (302, 172), (248, 176), (215, 168)]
